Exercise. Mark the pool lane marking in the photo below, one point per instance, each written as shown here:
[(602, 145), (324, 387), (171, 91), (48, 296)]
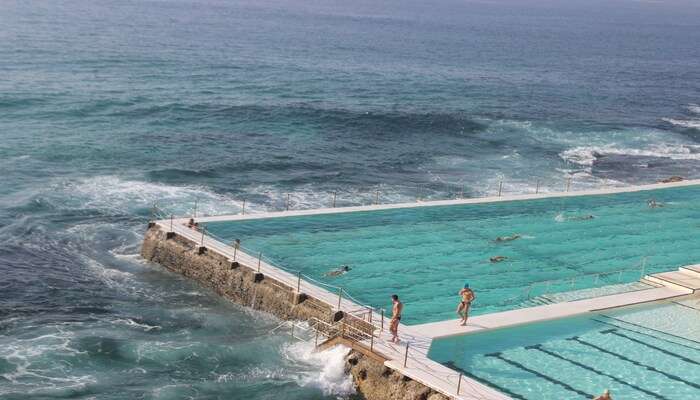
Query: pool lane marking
[(651, 329), (647, 334), (452, 365), (667, 352), (516, 364), (685, 305), (589, 368), (637, 363)]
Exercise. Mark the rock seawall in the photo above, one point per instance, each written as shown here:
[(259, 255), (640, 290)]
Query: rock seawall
[(242, 285)]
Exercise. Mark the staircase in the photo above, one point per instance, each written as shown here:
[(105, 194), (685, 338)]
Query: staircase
[(687, 277)]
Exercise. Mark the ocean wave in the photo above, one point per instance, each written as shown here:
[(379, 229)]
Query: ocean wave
[(693, 108), (684, 123), (587, 155)]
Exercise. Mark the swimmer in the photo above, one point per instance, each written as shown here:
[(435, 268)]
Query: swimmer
[(653, 204), (605, 396), (340, 271), (502, 239), (496, 259), (582, 218)]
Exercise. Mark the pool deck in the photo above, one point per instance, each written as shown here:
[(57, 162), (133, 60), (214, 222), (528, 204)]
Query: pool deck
[(414, 362), (528, 315)]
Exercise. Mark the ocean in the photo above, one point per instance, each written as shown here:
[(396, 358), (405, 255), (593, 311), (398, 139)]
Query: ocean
[(107, 107)]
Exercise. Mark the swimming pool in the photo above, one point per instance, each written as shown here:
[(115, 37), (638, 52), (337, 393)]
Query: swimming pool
[(650, 352), (425, 254)]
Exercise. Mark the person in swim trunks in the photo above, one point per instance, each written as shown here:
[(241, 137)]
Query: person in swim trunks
[(605, 396), (463, 308), (396, 310)]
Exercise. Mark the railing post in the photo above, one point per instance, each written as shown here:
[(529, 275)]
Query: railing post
[(382, 320), (461, 194), (420, 192), (459, 383), (194, 213), (171, 223), (299, 282), (203, 229), (405, 357), (537, 187), (335, 193), (644, 265), (292, 332), (376, 198), (316, 342), (259, 260), (568, 184), (243, 210), (340, 297), (287, 207), (500, 188), (370, 314), (371, 342)]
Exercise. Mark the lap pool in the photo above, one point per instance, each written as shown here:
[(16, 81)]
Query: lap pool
[(638, 353), (425, 254)]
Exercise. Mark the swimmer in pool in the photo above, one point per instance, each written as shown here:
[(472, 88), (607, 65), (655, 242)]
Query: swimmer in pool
[(496, 259), (653, 204), (582, 217), (605, 396), (502, 239), (340, 271)]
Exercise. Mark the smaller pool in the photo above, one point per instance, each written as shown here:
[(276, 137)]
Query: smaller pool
[(638, 353)]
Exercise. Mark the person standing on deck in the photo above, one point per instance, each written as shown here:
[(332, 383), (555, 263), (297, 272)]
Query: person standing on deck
[(463, 308), (396, 310)]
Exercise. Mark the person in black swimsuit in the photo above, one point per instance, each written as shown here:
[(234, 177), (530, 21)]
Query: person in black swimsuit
[(396, 310)]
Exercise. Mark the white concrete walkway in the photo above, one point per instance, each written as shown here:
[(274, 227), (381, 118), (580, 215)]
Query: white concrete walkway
[(521, 316), (492, 199)]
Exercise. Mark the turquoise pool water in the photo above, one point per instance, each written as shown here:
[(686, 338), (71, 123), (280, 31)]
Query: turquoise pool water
[(639, 353), (425, 254)]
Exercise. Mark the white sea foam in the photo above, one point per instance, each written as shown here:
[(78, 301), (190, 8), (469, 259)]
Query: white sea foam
[(684, 123), (586, 155), (329, 375), (131, 323), (694, 108), (115, 194)]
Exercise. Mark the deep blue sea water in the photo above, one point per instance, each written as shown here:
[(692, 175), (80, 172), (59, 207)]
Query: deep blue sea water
[(108, 107)]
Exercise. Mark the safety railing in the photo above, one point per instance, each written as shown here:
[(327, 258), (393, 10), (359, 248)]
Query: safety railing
[(543, 290), (438, 190), (361, 311)]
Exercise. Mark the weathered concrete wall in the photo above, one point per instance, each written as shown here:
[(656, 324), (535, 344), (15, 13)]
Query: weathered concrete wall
[(378, 382), (238, 284)]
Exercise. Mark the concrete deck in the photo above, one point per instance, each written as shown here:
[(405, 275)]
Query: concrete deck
[(685, 277), (529, 315), (480, 200)]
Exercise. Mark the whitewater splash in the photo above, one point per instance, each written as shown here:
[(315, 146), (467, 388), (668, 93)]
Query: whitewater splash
[(690, 123), (331, 378)]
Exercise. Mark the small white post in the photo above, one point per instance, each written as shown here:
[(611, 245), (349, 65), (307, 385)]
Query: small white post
[(459, 383), (203, 229), (500, 188), (299, 282), (568, 184), (195, 208), (340, 297), (376, 197), (259, 260), (461, 195), (243, 211), (335, 193), (287, 208), (537, 187)]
